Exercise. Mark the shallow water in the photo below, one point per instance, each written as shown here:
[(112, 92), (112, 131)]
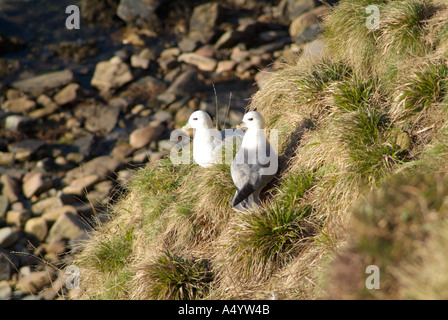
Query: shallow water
[(41, 23)]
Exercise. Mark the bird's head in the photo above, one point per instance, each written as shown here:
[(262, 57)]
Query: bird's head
[(252, 119), (199, 120)]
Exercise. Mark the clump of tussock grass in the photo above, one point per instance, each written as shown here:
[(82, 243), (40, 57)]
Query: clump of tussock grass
[(347, 36), (425, 87), (176, 277), (263, 241), (402, 28), (208, 193), (293, 187), (355, 93), (364, 135), (313, 87)]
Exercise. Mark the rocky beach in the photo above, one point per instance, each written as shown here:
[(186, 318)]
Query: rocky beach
[(81, 109)]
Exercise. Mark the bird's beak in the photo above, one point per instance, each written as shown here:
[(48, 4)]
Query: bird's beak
[(242, 125), (186, 127)]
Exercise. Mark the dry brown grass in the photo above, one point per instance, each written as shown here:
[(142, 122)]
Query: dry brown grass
[(349, 192)]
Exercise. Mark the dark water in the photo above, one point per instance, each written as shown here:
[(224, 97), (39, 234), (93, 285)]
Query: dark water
[(41, 23)]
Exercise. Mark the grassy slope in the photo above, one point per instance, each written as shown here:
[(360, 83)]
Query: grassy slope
[(362, 180)]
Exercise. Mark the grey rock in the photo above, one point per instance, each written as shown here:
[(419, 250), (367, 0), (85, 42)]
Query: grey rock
[(11, 187), (34, 183), (4, 204), (80, 185), (139, 12), (142, 137), (308, 34), (297, 7), (201, 62), (102, 118), (46, 102), (162, 116), (25, 148), (187, 45), (183, 86), (203, 22), (51, 215), (305, 20), (139, 62), (103, 167), (82, 146), (67, 227), (111, 74), (17, 218), (39, 84), (19, 105), (34, 282), (68, 94), (8, 237), (37, 227), (46, 204)]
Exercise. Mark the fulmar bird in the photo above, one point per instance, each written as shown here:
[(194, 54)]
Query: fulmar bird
[(255, 163), (208, 141)]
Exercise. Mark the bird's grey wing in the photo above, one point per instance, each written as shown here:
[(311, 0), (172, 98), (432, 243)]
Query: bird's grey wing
[(248, 178)]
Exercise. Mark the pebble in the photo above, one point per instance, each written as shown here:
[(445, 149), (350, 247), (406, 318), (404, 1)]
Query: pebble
[(39, 84), (11, 188), (201, 62), (68, 94), (52, 215), (34, 183), (143, 136), (8, 237), (17, 218), (37, 227), (80, 185), (19, 105), (111, 74), (67, 226), (4, 204)]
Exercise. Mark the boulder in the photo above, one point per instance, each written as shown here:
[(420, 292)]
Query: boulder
[(201, 62), (68, 94), (111, 74), (8, 237), (11, 187), (67, 227), (141, 13), (34, 183), (203, 22), (39, 84), (19, 105), (144, 136), (37, 227)]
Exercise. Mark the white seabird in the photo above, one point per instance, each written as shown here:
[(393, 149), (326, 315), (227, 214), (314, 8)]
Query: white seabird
[(255, 163), (208, 141)]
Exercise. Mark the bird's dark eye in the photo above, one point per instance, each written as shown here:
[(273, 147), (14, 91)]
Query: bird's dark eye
[(195, 118), (250, 119)]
